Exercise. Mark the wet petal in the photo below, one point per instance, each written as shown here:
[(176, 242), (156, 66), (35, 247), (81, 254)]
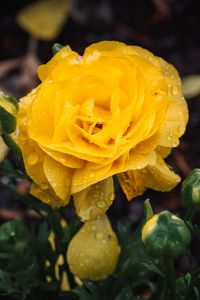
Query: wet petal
[(59, 177), (94, 200), (131, 183), (45, 195), (158, 177)]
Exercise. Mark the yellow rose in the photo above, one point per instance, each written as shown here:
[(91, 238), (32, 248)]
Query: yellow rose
[(117, 109)]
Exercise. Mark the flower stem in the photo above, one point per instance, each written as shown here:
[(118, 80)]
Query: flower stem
[(170, 279)]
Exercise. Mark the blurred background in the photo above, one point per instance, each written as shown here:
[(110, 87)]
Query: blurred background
[(168, 28)]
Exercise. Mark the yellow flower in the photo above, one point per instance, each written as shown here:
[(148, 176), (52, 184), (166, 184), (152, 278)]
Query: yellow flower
[(117, 109)]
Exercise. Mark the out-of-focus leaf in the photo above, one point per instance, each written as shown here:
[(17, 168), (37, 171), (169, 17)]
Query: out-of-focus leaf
[(191, 86), (6, 285), (44, 19), (126, 294), (13, 236), (88, 292)]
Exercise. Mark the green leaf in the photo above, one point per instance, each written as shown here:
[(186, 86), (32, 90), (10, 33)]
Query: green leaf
[(126, 294), (6, 285), (70, 230), (13, 236), (88, 292), (8, 121)]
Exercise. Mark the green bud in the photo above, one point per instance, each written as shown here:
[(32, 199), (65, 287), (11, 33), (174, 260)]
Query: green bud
[(190, 189), (165, 235), (8, 111), (56, 47)]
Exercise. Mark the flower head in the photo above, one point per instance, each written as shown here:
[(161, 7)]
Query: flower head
[(117, 109)]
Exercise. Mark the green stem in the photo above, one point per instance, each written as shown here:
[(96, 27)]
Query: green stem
[(148, 211), (170, 279), (190, 212)]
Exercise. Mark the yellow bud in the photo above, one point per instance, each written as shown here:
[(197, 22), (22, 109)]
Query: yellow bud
[(94, 251)]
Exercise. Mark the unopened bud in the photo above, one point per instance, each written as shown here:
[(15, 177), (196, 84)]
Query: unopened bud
[(94, 251), (190, 189), (8, 111), (165, 235)]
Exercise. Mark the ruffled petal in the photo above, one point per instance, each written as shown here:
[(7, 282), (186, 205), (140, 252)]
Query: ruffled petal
[(158, 177), (131, 183), (94, 201)]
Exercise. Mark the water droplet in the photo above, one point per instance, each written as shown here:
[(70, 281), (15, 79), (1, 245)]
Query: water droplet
[(99, 235), (44, 186), (101, 204), (91, 175), (22, 138), (32, 158), (175, 90), (111, 196), (93, 228)]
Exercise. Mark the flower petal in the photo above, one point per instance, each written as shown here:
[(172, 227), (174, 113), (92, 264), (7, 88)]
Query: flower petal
[(59, 177), (47, 196), (94, 200), (131, 183), (157, 177)]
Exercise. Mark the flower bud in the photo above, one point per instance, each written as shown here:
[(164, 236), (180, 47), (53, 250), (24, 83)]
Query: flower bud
[(190, 189), (8, 110), (94, 251), (165, 235)]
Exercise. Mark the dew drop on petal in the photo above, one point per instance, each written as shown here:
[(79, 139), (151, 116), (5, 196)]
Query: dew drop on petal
[(111, 196), (32, 158), (99, 235), (101, 204), (44, 186), (175, 90)]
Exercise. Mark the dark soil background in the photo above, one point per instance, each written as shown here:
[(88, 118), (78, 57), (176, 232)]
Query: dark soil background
[(168, 28)]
